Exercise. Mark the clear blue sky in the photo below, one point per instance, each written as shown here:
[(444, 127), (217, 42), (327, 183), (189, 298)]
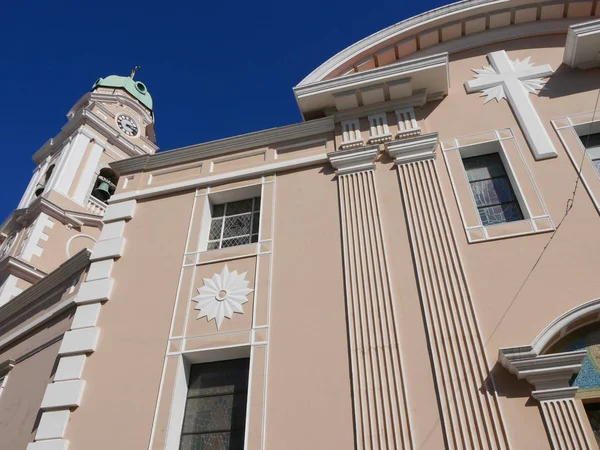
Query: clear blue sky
[(198, 59)]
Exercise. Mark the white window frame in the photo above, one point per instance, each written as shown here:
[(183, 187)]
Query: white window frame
[(407, 122), (378, 128), (180, 390), (228, 196), (351, 136)]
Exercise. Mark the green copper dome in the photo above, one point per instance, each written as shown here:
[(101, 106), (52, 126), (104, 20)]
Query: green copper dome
[(134, 87)]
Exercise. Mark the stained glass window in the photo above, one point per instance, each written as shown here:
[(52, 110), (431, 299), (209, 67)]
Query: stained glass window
[(592, 141), (494, 196), (215, 410), (234, 223)]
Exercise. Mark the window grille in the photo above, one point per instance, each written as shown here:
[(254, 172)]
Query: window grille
[(215, 409), (493, 193), (234, 223), (407, 124)]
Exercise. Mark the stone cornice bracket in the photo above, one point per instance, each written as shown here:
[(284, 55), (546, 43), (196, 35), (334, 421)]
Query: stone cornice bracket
[(352, 161), (550, 374), (420, 148)]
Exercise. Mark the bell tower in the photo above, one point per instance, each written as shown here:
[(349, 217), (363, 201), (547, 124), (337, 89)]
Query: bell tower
[(61, 210)]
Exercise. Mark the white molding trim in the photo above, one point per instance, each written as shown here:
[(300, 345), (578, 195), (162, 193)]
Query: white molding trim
[(21, 269), (253, 172), (54, 444), (84, 334), (356, 160), (36, 235), (79, 341), (420, 148), (42, 205), (409, 30), (429, 73), (94, 291), (120, 211), (112, 248), (52, 425), (70, 368), (581, 48), (63, 394)]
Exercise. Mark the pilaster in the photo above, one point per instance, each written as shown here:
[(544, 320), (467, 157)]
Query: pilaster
[(470, 411), (550, 376), (379, 399)]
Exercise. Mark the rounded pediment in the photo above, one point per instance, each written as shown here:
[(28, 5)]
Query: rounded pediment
[(453, 28)]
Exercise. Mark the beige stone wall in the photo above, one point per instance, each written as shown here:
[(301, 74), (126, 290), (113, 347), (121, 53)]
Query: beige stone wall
[(127, 365), (35, 357)]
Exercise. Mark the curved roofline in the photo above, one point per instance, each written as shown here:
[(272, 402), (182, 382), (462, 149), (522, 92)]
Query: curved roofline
[(380, 36)]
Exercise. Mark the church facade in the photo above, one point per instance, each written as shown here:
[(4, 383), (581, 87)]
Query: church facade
[(414, 265)]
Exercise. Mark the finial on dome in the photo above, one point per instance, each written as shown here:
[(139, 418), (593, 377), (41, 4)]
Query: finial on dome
[(135, 69)]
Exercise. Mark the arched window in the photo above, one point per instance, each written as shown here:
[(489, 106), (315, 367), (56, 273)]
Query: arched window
[(105, 184), (41, 186)]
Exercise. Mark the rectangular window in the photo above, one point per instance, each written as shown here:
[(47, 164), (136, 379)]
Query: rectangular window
[(234, 223), (592, 142), (493, 193), (215, 409)]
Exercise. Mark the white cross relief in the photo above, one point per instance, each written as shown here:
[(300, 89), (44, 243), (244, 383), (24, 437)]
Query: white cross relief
[(513, 80)]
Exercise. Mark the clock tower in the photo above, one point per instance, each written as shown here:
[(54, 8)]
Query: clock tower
[(61, 210)]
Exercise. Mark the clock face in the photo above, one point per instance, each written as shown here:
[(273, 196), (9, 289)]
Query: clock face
[(127, 125)]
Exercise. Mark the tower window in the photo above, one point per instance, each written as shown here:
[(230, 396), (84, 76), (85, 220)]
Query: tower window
[(492, 191), (105, 184), (39, 190), (234, 223), (215, 409)]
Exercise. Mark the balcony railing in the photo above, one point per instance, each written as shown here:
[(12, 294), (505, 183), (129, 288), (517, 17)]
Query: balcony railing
[(96, 206)]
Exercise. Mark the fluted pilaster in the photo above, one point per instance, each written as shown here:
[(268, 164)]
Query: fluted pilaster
[(470, 410), (378, 392), (550, 375)]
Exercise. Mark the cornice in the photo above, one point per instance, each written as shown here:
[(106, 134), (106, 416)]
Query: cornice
[(549, 374), (21, 269), (223, 146), (72, 218), (229, 177), (42, 289), (110, 98), (352, 161), (381, 36), (415, 149), (87, 117), (378, 75)]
